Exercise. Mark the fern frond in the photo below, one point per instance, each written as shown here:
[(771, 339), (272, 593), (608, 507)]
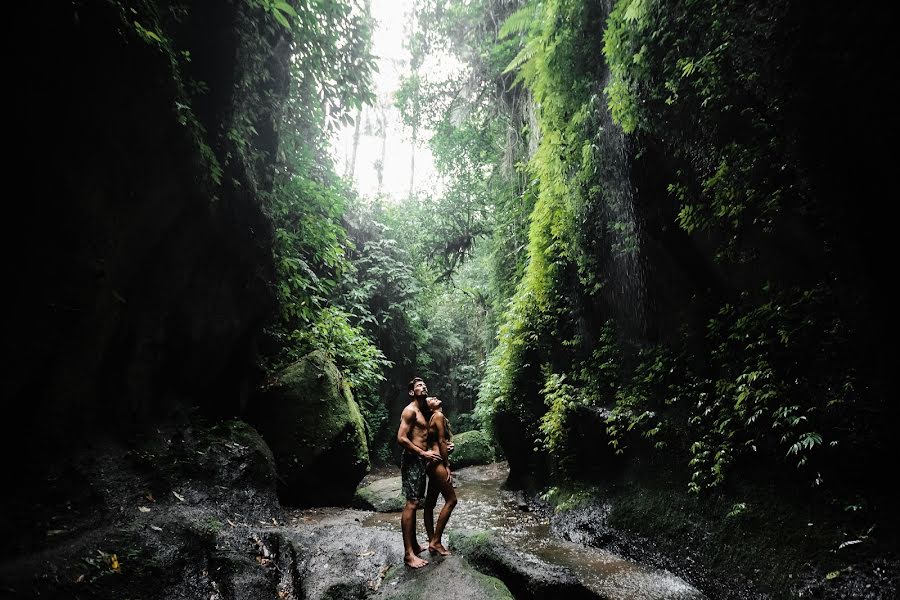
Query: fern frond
[(521, 20), (524, 55)]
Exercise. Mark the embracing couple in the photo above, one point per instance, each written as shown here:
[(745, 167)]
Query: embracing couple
[(425, 437)]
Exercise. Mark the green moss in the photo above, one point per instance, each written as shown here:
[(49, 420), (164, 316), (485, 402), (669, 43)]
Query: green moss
[(567, 498), (469, 544), (493, 586), (323, 408), (467, 582), (472, 448), (370, 500), (212, 525)]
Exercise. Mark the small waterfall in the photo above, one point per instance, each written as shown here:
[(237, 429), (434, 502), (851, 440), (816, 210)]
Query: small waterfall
[(619, 249)]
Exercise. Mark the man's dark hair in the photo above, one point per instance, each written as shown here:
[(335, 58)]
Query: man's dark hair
[(415, 380)]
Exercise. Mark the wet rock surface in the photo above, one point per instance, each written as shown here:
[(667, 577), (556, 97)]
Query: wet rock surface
[(520, 548), (343, 559), (589, 526), (526, 575), (196, 516), (701, 559)]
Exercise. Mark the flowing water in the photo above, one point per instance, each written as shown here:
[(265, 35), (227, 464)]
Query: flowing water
[(484, 506)]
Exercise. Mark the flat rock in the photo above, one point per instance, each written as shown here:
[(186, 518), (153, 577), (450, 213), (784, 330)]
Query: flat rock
[(383, 495)]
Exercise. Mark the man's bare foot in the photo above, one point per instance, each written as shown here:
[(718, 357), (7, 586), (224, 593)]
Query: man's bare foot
[(414, 562), (438, 549), (419, 548)]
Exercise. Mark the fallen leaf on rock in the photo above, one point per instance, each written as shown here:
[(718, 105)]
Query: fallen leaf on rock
[(143, 509), (230, 522), (114, 563), (150, 497), (155, 528), (369, 553), (56, 531), (80, 578), (177, 495)]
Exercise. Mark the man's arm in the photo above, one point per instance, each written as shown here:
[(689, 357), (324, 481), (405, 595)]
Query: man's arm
[(442, 440)]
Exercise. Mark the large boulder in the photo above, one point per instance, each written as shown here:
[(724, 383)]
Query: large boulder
[(472, 448), (338, 558), (383, 495), (316, 432)]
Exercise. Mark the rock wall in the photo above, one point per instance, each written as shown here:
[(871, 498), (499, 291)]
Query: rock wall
[(140, 252)]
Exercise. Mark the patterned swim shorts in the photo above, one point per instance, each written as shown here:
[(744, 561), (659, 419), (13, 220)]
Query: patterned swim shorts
[(413, 473)]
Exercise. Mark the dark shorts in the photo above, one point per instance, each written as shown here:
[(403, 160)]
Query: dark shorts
[(414, 475)]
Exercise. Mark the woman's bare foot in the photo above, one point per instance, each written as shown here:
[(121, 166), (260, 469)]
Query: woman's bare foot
[(438, 549), (414, 562), (419, 549)]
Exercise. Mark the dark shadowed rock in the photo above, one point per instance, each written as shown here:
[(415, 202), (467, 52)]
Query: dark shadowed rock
[(344, 560), (317, 434), (187, 514)]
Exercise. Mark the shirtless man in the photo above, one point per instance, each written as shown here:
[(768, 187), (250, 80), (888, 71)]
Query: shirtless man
[(413, 437)]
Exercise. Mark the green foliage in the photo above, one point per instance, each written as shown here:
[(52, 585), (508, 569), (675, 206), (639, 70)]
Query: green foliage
[(152, 23), (552, 42), (561, 399), (570, 497), (281, 11), (468, 241), (693, 76), (501, 276), (648, 388), (424, 324), (770, 395), (772, 383), (463, 422), (331, 68)]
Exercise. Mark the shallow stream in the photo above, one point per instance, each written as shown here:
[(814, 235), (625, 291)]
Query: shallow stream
[(484, 506)]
